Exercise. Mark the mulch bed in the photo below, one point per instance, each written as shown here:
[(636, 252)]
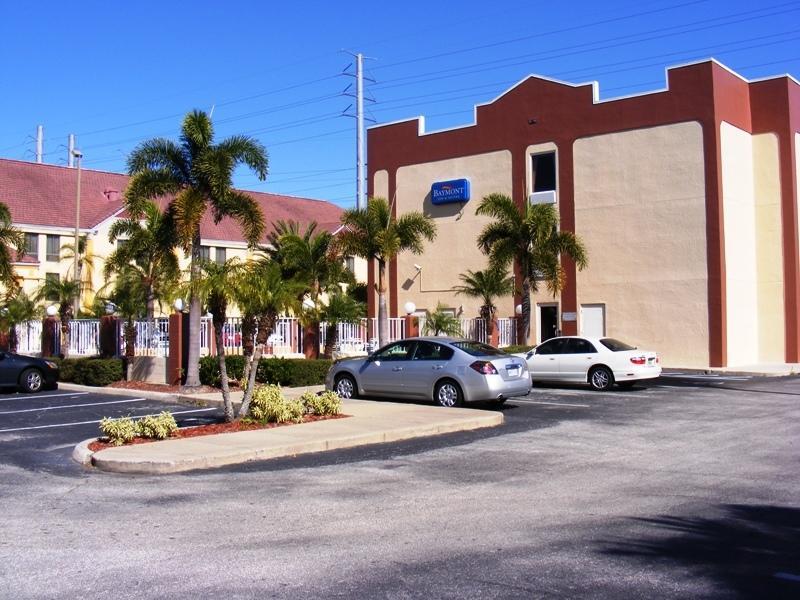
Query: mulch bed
[(169, 389), (214, 428)]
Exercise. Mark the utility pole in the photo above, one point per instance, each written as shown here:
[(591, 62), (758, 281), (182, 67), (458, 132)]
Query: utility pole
[(71, 150), (39, 143), (75, 274), (361, 200)]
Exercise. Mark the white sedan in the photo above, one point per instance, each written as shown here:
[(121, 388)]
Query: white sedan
[(600, 362)]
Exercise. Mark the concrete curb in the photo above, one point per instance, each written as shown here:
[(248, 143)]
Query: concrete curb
[(369, 423), (163, 396), (81, 453)]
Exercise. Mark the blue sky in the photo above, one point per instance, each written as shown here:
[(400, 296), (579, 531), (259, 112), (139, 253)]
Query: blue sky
[(117, 73)]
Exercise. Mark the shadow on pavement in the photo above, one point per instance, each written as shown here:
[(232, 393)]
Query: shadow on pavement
[(749, 551)]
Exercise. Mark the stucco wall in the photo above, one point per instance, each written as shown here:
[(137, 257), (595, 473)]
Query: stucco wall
[(454, 250), (640, 209), (753, 252)]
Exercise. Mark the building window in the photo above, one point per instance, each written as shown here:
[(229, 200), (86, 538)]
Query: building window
[(220, 256), (205, 253), (54, 277), (53, 248), (32, 244), (543, 178), (350, 263), (121, 244)]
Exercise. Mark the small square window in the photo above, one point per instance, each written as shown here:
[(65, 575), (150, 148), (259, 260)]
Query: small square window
[(205, 253), (53, 248), (350, 264), (220, 256)]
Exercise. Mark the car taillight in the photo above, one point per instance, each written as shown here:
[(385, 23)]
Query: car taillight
[(483, 367), (638, 360)]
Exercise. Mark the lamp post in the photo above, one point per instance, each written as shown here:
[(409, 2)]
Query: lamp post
[(78, 156)]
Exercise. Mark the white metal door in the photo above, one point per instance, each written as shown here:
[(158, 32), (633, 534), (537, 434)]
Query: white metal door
[(593, 320)]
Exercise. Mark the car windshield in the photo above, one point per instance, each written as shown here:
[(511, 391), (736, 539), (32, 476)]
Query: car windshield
[(478, 349), (616, 345)]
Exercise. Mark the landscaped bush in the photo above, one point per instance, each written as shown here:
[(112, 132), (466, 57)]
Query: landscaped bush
[(291, 372), (268, 405), (118, 431), (91, 370), (324, 404), (516, 349), (158, 427), (98, 371)]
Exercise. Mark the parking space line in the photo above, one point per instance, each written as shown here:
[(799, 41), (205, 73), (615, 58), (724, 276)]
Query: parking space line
[(26, 397), (180, 412), (549, 403), (26, 410)]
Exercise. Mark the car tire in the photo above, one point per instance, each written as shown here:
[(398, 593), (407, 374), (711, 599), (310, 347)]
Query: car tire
[(601, 379), (500, 401), (31, 380), (448, 393), (345, 386)]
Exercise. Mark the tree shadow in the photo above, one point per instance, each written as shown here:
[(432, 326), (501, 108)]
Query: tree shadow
[(749, 551)]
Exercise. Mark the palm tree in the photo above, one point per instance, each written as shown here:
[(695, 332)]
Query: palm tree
[(18, 310), (340, 308), (486, 285), (129, 297), (63, 292), (198, 174), (10, 238), (85, 263), (442, 322), (148, 249), (216, 290), (528, 236), (375, 234), (264, 293)]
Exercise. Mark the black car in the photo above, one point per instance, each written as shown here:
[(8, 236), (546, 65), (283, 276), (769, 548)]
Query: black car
[(28, 373)]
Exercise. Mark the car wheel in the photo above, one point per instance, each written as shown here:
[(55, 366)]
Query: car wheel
[(601, 379), (448, 394), (345, 387), (31, 380)]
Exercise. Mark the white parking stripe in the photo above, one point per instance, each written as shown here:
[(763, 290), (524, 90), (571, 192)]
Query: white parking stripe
[(180, 412), (26, 397), (548, 403), (14, 412)]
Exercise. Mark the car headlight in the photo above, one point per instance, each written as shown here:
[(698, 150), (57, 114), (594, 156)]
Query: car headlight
[(51, 364)]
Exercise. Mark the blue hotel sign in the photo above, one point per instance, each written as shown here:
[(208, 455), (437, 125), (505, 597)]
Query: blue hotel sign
[(445, 192)]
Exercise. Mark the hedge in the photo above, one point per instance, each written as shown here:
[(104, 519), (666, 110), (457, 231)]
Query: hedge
[(90, 371), (292, 372), (516, 349)]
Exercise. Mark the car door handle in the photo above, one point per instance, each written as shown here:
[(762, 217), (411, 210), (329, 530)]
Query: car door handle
[(437, 367), (397, 368)]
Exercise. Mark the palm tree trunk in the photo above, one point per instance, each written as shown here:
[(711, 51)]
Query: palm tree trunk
[(13, 339), (526, 310), (383, 317), (265, 326), (331, 337), (65, 337), (248, 333), (130, 347), (193, 361), (223, 371)]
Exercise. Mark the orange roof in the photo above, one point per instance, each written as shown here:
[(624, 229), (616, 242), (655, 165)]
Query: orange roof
[(41, 194)]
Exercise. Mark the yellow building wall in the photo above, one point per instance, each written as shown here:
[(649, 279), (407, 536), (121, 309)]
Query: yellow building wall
[(454, 250), (640, 210), (753, 250)]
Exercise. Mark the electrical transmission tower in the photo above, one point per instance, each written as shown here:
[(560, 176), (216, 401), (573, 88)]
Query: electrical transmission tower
[(361, 201)]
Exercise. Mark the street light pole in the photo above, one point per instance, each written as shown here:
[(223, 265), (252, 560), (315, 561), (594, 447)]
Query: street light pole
[(78, 156)]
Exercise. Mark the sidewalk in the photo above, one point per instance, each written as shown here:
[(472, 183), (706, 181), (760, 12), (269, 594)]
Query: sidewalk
[(369, 422)]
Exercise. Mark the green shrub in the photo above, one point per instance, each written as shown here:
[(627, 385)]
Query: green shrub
[(158, 427), (268, 405), (278, 371), (66, 368), (516, 349), (97, 371), (324, 404), (118, 431)]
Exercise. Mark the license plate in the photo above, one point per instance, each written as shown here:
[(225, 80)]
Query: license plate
[(513, 371)]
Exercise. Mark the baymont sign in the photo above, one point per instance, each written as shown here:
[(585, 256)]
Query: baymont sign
[(444, 192)]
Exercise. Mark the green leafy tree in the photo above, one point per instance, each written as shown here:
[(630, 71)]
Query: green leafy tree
[(147, 249), (486, 285), (86, 262), (340, 308), (216, 290), (375, 234), (129, 297), (197, 174), (63, 292), (528, 236), (442, 322), (12, 247)]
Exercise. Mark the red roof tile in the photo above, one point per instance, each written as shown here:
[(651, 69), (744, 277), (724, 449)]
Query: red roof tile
[(41, 194)]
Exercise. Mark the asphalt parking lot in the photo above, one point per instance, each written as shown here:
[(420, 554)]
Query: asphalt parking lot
[(683, 489)]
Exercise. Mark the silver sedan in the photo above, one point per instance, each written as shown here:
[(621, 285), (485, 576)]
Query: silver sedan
[(449, 371)]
